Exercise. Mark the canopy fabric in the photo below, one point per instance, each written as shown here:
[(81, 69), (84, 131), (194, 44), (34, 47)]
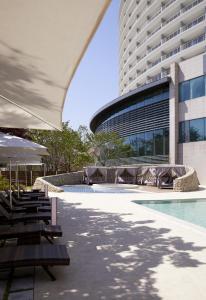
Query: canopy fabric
[(14, 146), (90, 171), (131, 171), (41, 45)]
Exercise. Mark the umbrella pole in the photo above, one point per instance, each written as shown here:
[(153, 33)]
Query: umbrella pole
[(10, 195), (18, 179), (31, 178), (26, 175), (44, 170)]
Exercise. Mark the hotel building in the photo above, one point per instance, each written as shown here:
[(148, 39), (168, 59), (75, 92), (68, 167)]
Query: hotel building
[(161, 110)]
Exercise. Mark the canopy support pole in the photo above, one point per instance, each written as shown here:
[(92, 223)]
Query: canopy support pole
[(44, 169), (26, 175), (31, 177), (17, 179), (10, 195)]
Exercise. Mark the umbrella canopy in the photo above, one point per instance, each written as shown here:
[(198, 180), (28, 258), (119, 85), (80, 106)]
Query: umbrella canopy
[(14, 146), (41, 45)]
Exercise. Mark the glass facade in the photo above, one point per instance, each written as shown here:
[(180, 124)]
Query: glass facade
[(150, 143), (192, 130), (192, 88), (143, 122), (152, 98)]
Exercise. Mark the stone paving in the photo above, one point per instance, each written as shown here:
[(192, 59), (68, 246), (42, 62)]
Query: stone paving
[(121, 250)]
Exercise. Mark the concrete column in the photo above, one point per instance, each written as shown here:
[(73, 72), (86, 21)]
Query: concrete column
[(174, 117)]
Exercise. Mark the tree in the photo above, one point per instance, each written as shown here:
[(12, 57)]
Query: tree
[(67, 150), (108, 145)]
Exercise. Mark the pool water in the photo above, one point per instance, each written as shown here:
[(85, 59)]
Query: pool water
[(98, 188), (191, 210)]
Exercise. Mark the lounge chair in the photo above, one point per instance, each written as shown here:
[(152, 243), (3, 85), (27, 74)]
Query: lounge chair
[(28, 195), (27, 200), (44, 255), (43, 205), (30, 233), (12, 218), (24, 208)]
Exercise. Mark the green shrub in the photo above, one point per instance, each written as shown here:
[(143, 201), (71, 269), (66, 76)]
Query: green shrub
[(4, 183)]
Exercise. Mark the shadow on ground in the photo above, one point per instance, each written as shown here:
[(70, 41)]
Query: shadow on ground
[(111, 258)]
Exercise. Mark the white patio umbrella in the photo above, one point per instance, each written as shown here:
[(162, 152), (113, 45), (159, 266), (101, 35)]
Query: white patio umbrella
[(14, 150), (25, 159), (41, 45), (14, 146)]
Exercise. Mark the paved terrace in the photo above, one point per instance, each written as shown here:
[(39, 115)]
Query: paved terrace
[(121, 250)]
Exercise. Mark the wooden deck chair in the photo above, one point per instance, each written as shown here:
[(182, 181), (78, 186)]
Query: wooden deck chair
[(12, 218), (44, 255)]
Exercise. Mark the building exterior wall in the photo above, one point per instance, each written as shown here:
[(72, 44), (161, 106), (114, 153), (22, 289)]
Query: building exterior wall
[(155, 33), (193, 153), (161, 40), (142, 119)]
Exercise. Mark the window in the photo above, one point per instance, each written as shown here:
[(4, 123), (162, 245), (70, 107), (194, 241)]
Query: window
[(184, 91), (140, 143), (192, 89), (133, 143), (197, 130), (197, 87), (184, 132), (192, 131), (159, 142), (149, 143), (166, 141)]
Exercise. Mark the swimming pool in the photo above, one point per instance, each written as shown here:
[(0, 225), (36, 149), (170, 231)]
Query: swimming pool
[(99, 188), (191, 210)]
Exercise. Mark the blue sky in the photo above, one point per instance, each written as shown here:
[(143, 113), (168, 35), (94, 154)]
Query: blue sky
[(96, 80)]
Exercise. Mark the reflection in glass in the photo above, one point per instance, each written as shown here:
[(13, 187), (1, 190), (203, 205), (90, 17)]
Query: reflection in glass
[(159, 142), (184, 92), (192, 88), (197, 130), (149, 143), (166, 141), (140, 143), (197, 86)]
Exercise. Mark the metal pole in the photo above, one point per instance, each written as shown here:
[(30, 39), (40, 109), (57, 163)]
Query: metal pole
[(25, 175), (10, 195), (18, 179), (31, 177), (44, 170)]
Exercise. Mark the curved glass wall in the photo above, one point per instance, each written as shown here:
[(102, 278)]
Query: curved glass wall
[(144, 124), (152, 98), (150, 143)]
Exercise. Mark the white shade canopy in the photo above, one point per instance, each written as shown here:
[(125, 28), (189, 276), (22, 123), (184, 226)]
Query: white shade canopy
[(41, 44), (14, 147)]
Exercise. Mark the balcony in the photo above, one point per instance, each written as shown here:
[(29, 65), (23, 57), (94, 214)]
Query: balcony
[(193, 42), (193, 23), (167, 4), (188, 7)]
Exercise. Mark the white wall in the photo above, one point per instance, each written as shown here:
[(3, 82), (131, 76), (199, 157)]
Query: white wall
[(192, 109), (192, 67), (194, 155)]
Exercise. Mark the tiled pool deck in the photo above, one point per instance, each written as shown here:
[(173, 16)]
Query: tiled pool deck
[(121, 250)]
